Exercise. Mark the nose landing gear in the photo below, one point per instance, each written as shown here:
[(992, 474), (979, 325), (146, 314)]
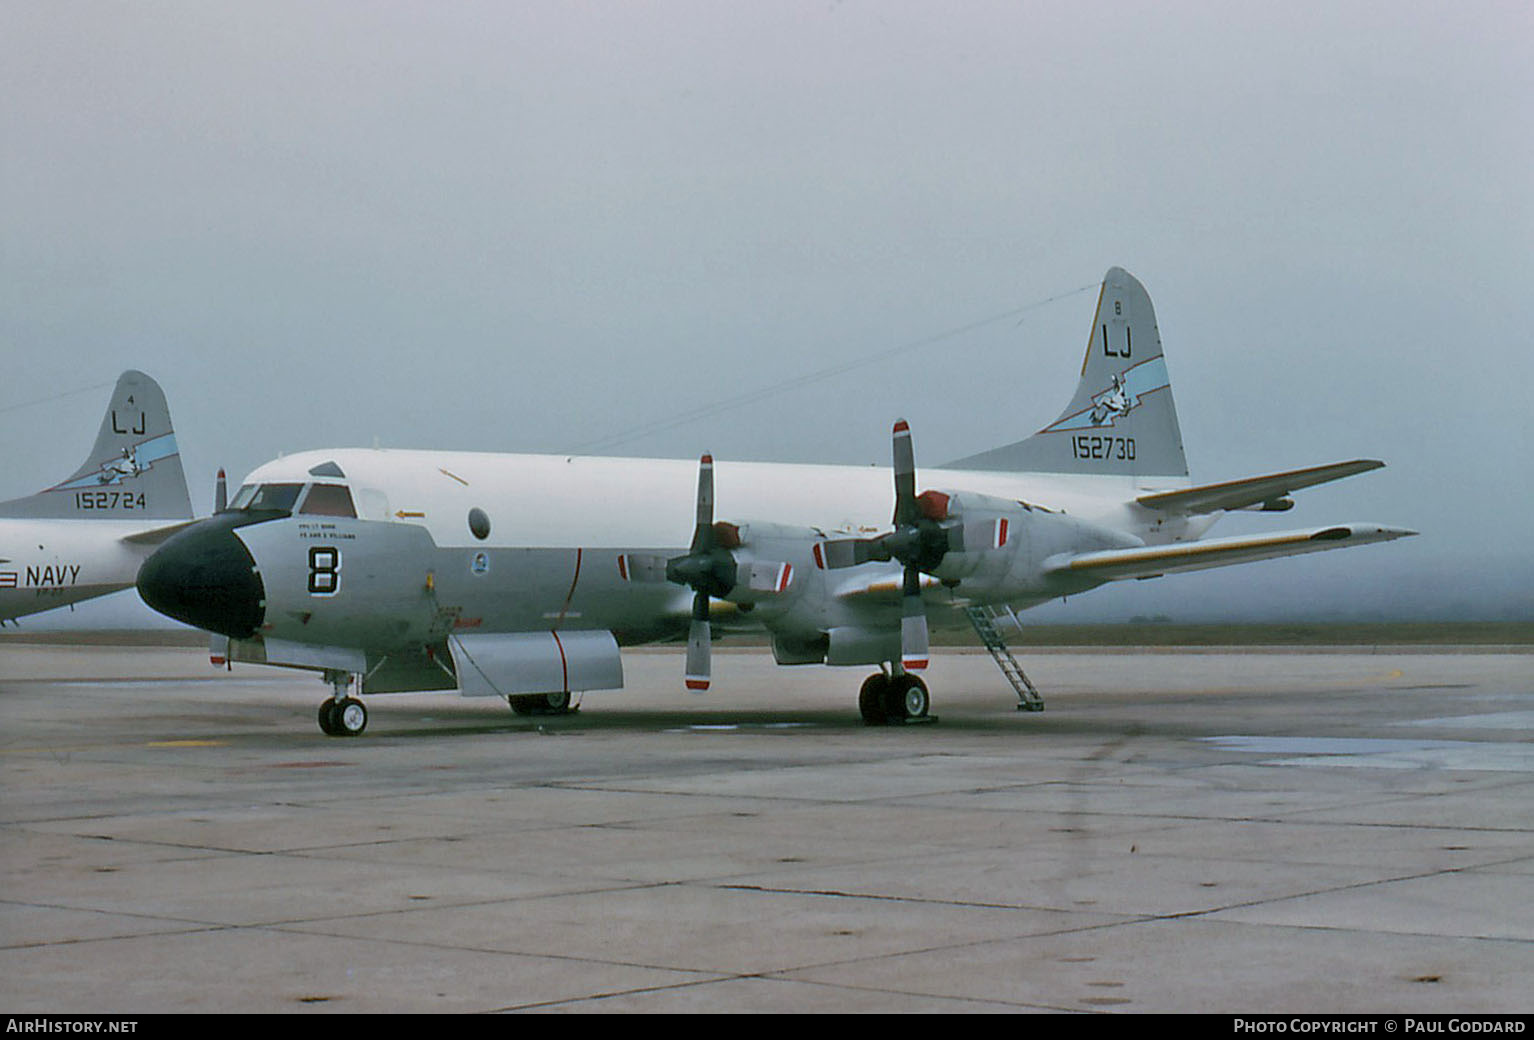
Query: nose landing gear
[(341, 715)]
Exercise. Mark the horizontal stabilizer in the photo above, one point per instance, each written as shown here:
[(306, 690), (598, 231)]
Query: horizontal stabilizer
[(156, 535), (1239, 494), (1154, 560)]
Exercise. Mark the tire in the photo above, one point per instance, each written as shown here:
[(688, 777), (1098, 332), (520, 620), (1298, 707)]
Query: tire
[(554, 703), (906, 698), (351, 718), (871, 699)]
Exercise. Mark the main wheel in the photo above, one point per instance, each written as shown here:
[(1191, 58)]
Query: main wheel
[(556, 702), (350, 717), (872, 697), (906, 698), (328, 718)]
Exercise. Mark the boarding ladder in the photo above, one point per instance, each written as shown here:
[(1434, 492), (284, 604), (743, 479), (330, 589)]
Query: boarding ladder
[(984, 621)]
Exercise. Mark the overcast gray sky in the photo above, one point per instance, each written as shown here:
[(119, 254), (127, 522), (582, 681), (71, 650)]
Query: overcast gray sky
[(539, 226)]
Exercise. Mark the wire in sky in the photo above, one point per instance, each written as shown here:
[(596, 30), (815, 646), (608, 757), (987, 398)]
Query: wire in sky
[(793, 383), (18, 406)]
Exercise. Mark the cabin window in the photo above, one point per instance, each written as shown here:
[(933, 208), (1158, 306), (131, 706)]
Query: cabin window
[(479, 523), (328, 500)]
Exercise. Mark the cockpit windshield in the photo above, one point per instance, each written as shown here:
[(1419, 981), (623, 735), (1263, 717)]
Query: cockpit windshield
[(266, 497), (321, 499)]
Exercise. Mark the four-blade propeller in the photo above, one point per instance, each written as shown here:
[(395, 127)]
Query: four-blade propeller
[(709, 569), (924, 533), (712, 569)]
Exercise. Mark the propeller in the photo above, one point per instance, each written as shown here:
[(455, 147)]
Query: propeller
[(218, 646), (918, 543), (924, 533), (709, 569), (712, 570)]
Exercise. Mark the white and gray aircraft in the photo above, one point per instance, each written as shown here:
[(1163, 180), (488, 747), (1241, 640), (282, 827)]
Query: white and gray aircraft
[(521, 576), (87, 536)]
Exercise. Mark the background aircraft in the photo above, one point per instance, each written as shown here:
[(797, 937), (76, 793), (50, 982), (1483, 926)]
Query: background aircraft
[(522, 575), (86, 536)]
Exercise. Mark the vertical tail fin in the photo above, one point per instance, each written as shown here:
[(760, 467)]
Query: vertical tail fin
[(1121, 420), (132, 472)]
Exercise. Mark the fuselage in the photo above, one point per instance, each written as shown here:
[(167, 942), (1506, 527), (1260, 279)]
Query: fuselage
[(53, 563), (378, 549), (536, 501)]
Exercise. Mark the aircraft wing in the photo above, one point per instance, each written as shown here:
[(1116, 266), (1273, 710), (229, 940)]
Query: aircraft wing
[(1155, 560), (1268, 491), (887, 587)]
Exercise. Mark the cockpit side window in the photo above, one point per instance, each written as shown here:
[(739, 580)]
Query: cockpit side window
[(328, 500)]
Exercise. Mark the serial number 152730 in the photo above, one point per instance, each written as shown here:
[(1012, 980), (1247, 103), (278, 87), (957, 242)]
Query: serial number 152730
[(1092, 446)]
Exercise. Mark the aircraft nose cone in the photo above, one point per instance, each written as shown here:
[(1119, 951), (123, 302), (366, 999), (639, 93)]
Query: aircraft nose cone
[(204, 576)]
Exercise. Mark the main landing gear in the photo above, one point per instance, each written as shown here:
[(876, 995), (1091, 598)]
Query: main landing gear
[(895, 699), (341, 715), (558, 702)]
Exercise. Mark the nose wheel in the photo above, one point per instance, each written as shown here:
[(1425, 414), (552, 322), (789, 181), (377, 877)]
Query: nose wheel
[(341, 715)]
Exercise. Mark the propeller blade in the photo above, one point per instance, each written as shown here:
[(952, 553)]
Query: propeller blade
[(699, 644), (905, 475), (703, 533), (913, 624), (218, 652), (220, 493), (698, 570)]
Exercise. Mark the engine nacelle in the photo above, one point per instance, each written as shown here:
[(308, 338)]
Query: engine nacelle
[(1004, 543)]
